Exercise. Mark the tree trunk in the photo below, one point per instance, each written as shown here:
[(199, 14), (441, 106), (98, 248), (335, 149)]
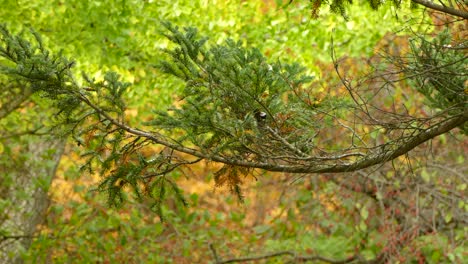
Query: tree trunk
[(25, 175)]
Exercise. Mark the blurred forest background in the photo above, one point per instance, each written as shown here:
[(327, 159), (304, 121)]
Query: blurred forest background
[(326, 218)]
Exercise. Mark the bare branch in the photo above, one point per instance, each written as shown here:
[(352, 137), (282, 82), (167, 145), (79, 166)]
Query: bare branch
[(215, 255), (14, 237), (293, 254), (443, 9)]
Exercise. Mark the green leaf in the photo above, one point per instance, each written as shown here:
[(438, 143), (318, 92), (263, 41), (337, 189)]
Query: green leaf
[(436, 256), (364, 213), (362, 226), (261, 229), (448, 217), (425, 175)]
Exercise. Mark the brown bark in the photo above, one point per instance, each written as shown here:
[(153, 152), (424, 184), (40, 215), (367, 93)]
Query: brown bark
[(27, 192)]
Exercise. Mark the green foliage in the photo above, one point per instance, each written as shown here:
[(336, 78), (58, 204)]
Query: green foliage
[(224, 86), (37, 69), (51, 77), (96, 235), (342, 7), (443, 89), (233, 96)]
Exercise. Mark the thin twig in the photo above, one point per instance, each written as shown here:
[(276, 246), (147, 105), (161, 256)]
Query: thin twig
[(293, 254), (215, 255), (443, 9)]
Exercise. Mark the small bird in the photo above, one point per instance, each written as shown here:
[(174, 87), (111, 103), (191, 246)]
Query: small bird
[(260, 116)]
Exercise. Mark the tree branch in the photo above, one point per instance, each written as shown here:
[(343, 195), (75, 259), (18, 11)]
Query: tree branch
[(16, 100), (371, 159), (293, 254), (14, 237), (443, 9)]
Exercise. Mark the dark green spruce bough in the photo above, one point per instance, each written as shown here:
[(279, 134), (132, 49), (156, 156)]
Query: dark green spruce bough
[(236, 108), (236, 103), (439, 73)]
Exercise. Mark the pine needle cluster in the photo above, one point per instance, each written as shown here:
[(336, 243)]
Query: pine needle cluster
[(236, 103), (237, 107)]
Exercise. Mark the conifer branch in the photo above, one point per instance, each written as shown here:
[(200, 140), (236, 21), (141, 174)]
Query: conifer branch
[(226, 87), (381, 154)]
